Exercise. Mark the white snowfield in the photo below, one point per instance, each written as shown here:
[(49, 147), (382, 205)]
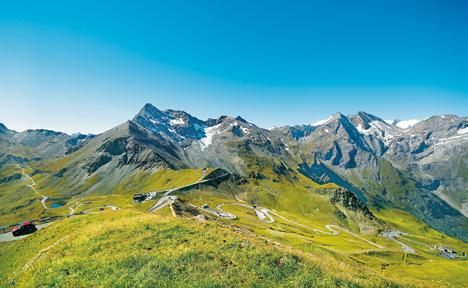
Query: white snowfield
[(178, 121), (209, 133), (405, 124), (462, 131), (321, 122), (380, 129), (444, 141)]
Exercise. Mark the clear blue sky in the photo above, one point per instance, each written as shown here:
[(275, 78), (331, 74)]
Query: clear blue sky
[(88, 66)]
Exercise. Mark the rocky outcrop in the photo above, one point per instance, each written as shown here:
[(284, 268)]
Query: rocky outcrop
[(352, 210), (349, 201)]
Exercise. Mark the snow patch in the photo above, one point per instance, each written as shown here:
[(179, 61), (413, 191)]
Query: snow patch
[(361, 129), (405, 124), (321, 122), (377, 130), (178, 121), (443, 141), (208, 139), (245, 130), (462, 131)]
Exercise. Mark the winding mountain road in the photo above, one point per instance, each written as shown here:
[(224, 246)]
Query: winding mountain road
[(8, 236), (392, 235), (162, 202), (165, 199), (42, 198), (264, 215)]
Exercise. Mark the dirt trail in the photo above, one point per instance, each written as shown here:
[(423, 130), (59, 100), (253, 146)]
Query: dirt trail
[(40, 253)]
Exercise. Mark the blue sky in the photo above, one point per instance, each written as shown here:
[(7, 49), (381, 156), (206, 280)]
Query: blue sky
[(86, 66)]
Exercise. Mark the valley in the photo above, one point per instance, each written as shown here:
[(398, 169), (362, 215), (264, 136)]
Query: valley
[(351, 195)]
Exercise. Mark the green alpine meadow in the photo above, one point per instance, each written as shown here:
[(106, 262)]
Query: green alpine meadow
[(234, 144)]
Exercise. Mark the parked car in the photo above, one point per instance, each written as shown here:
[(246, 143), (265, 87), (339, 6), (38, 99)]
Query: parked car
[(138, 198), (23, 229)]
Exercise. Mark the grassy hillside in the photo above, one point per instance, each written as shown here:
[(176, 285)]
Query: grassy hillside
[(20, 203), (314, 212), (134, 249), (117, 248)]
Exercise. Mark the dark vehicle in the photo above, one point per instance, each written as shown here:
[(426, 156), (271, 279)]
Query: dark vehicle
[(138, 198), (23, 229)]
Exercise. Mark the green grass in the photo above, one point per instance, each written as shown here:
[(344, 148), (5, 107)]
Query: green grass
[(20, 203), (132, 249), (345, 257), (313, 209)]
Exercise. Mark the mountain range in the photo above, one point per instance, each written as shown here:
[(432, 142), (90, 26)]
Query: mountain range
[(419, 167)]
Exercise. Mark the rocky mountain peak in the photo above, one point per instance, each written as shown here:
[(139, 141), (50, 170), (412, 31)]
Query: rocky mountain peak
[(150, 110), (44, 132), (3, 128), (176, 125), (338, 116), (441, 126), (239, 118), (365, 119), (342, 126), (226, 120)]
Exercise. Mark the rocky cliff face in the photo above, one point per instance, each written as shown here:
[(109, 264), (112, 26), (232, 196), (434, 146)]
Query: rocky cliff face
[(351, 208), (435, 151), (420, 168)]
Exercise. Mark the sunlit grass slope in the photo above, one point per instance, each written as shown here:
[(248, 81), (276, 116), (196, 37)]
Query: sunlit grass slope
[(20, 203), (133, 249)]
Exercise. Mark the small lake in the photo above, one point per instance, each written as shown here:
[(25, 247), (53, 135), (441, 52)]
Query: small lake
[(57, 204)]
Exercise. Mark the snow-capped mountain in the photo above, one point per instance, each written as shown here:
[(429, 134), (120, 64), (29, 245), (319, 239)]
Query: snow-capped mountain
[(404, 124), (178, 126), (419, 167), (431, 151)]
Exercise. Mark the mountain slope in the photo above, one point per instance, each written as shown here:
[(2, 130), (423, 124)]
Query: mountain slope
[(336, 191), (379, 162), (135, 249), (20, 147), (382, 164)]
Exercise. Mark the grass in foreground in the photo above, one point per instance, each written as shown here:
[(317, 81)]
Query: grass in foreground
[(133, 249)]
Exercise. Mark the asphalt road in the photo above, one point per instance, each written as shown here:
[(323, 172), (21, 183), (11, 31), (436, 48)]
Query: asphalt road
[(5, 237)]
